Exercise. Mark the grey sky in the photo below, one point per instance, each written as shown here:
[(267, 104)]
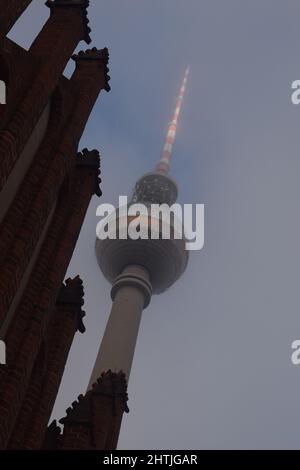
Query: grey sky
[(212, 367)]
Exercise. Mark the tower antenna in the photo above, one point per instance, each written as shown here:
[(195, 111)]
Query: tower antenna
[(164, 163)]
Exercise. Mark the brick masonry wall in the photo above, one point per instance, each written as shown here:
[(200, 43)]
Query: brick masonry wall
[(30, 401), (37, 406), (53, 47), (97, 416), (41, 332), (89, 78), (32, 317), (15, 62)]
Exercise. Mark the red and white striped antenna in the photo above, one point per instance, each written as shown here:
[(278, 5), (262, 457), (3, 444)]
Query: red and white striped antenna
[(164, 163)]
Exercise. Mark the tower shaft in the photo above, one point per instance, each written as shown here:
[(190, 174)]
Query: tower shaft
[(131, 292)]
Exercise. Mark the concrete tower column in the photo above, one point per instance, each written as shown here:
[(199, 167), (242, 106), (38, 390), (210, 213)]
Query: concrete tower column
[(131, 293)]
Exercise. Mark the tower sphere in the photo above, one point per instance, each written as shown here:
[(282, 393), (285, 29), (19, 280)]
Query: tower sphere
[(164, 259)]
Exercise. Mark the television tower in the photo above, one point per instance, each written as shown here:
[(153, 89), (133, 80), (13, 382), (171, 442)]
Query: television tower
[(139, 268)]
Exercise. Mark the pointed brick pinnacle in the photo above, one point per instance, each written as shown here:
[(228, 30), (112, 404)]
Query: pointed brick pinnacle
[(83, 4), (91, 159), (94, 54), (72, 293)]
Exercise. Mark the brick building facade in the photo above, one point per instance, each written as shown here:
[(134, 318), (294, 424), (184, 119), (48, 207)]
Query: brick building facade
[(46, 185)]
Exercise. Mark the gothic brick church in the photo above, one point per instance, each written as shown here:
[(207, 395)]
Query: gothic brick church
[(46, 186)]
